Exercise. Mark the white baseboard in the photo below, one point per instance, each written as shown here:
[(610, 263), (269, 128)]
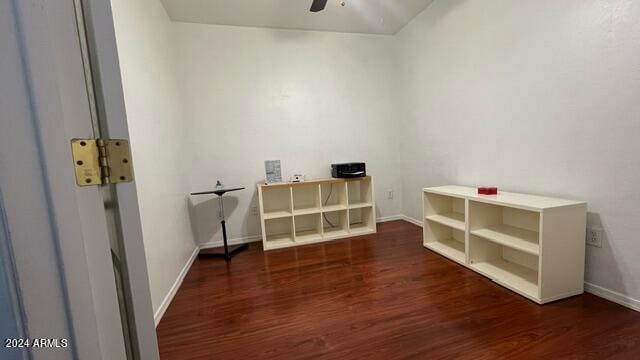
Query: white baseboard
[(616, 297), (412, 220), (176, 285), (236, 241), (389, 218)]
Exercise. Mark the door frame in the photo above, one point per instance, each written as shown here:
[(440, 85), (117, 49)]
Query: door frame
[(108, 81), (58, 230)]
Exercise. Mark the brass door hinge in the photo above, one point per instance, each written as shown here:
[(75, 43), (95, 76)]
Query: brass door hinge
[(101, 161)]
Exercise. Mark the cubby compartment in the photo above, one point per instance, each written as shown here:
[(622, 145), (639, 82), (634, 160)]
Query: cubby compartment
[(507, 226), (308, 212), (308, 228), (279, 232), (306, 199), (333, 196), (445, 210), (445, 240), (276, 202), (334, 224), (360, 192), (505, 265), (361, 220)]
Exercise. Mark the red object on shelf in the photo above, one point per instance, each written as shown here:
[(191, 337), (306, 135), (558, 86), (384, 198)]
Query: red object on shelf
[(484, 190)]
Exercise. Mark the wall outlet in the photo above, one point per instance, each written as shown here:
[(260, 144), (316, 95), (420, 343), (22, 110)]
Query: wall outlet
[(255, 211), (594, 236), (389, 194)]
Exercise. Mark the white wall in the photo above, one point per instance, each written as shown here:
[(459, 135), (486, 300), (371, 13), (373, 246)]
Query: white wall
[(156, 126), (532, 96), (537, 97), (306, 98)]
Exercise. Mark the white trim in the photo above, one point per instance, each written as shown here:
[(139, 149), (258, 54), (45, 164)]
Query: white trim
[(72, 290), (616, 297), (174, 288), (236, 241), (390, 218), (412, 220), (109, 94)]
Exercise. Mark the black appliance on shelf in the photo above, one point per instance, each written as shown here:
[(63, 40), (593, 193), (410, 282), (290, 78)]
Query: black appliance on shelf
[(348, 170)]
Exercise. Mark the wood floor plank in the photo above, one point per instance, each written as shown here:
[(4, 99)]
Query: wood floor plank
[(380, 296)]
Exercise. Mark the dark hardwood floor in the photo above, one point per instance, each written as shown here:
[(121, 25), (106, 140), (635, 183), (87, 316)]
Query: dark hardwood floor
[(378, 297)]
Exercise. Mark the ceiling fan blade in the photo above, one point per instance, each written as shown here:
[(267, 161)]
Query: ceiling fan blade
[(318, 5)]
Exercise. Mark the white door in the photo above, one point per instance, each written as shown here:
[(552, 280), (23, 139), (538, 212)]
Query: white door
[(78, 252)]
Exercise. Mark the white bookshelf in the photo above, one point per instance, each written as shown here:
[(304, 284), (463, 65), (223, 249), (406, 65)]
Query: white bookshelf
[(444, 230), (293, 214), (532, 245)]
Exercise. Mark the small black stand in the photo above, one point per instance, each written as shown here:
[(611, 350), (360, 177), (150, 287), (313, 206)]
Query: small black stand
[(229, 251)]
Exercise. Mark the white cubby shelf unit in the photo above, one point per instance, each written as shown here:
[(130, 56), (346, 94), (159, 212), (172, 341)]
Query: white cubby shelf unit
[(293, 214), (532, 245)]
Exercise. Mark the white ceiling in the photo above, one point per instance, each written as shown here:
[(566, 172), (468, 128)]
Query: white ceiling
[(357, 16)]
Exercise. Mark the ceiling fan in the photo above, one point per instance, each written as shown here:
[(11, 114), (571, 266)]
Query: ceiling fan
[(318, 5)]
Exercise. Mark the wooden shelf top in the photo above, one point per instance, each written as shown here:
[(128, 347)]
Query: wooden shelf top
[(522, 201), (311, 182)]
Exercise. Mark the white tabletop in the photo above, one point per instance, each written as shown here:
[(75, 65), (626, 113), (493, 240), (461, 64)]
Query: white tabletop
[(524, 201)]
